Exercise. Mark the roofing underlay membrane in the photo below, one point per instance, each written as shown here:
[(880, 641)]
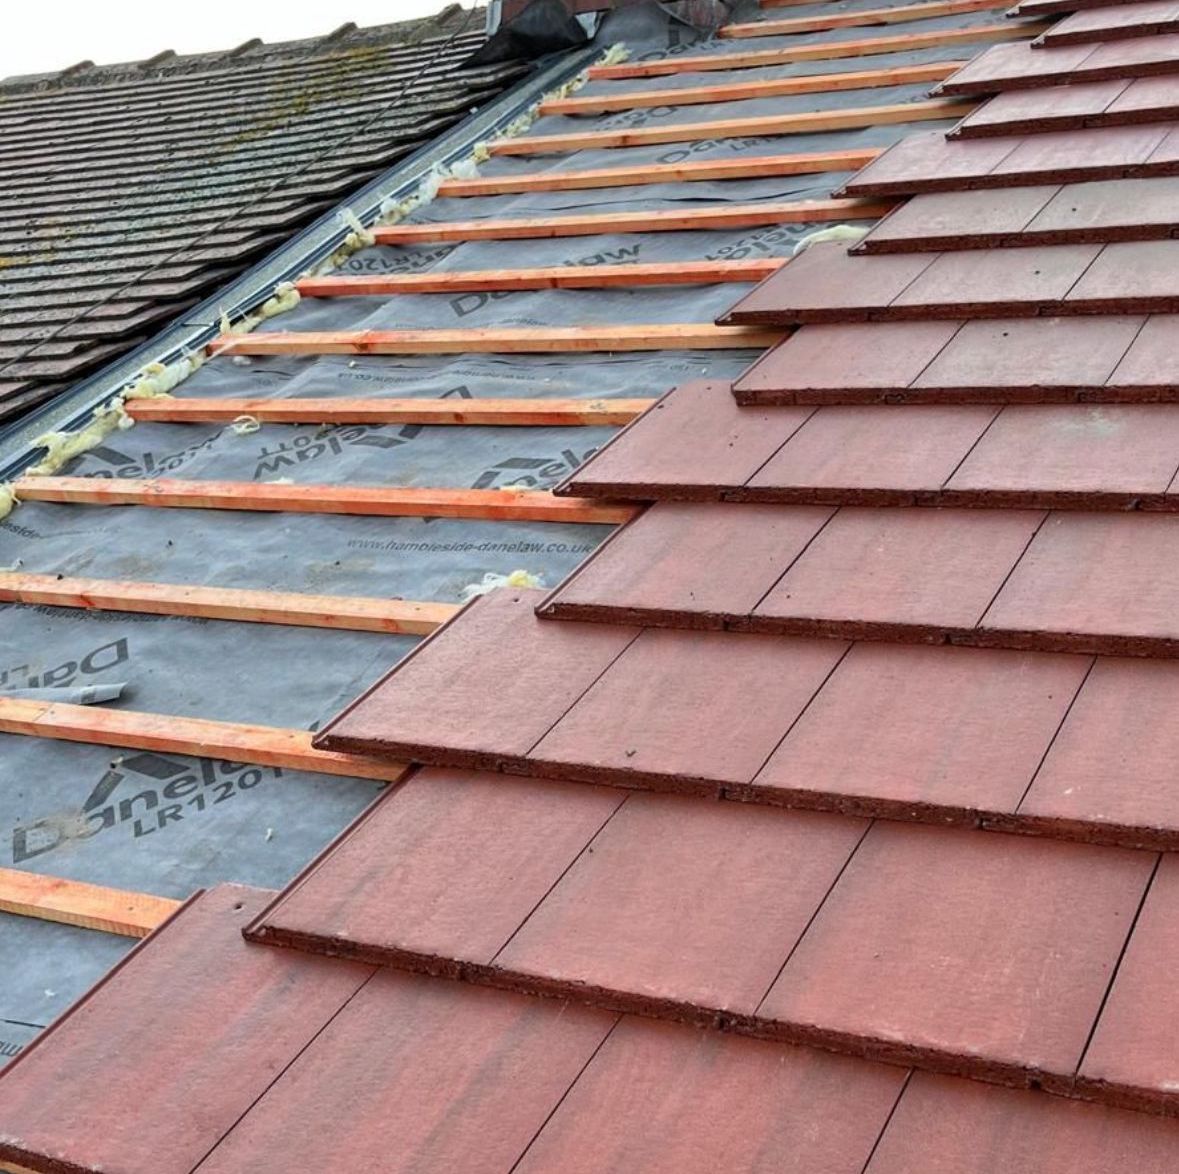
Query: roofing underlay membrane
[(168, 824)]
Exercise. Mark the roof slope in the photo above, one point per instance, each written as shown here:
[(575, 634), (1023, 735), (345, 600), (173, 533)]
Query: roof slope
[(823, 819), (128, 192)]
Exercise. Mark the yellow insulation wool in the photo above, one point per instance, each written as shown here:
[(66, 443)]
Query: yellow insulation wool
[(491, 581), (837, 232), (8, 499), (155, 380)]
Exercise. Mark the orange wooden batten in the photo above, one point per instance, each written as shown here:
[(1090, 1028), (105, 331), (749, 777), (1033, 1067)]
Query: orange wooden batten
[(829, 51), (557, 277), (774, 124), (818, 83), (523, 340), (71, 902), (136, 730), (493, 412), (868, 16), (797, 163), (355, 613), (675, 220), (535, 505)]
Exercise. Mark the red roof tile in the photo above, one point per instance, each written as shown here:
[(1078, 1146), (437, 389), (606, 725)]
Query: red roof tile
[(1105, 210), (462, 856), (695, 565), (684, 901), (486, 708), (922, 570), (995, 952), (1141, 19), (947, 1126), (1135, 1041), (1018, 65), (879, 728), (827, 284), (659, 708), (936, 734), (768, 898), (668, 1100), (1113, 759), (177, 1042), (379, 1087), (1083, 570), (932, 163), (1118, 456)]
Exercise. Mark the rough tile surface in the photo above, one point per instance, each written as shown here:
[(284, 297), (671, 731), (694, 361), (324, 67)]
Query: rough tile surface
[(1114, 758), (874, 448), (1137, 1036), (487, 710), (995, 950), (693, 562), (706, 706), (1094, 571), (445, 867), (948, 1126), (418, 1074), (203, 1024), (684, 901), (954, 728), (669, 1100), (921, 568), (1075, 449)]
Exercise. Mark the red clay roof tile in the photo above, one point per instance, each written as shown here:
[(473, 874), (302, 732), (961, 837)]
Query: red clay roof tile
[(1136, 1038), (662, 709), (486, 708), (683, 901), (1089, 570), (994, 952), (948, 1126), (924, 570), (417, 1074), (1142, 19), (827, 284), (869, 448), (1019, 65), (669, 1100), (932, 163), (454, 859), (1113, 760), (694, 563), (172, 1047), (881, 727)]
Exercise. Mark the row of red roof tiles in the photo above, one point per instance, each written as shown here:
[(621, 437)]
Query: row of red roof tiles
[(1047, 744), (302, 1062)]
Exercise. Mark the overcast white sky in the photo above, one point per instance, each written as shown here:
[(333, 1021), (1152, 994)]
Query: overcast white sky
[(36, 38)]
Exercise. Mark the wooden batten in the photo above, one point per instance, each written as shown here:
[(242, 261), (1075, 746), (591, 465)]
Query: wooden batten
[(818, 83), (199, 737), (826, 51), (354, 613), (630, 276), (689, 171), (478, 411), (718, 216), (729, 128), (535, 505), (71, 902), (500, 341)]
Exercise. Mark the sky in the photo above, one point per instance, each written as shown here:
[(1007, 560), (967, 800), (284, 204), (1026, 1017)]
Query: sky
[(130, 30)]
